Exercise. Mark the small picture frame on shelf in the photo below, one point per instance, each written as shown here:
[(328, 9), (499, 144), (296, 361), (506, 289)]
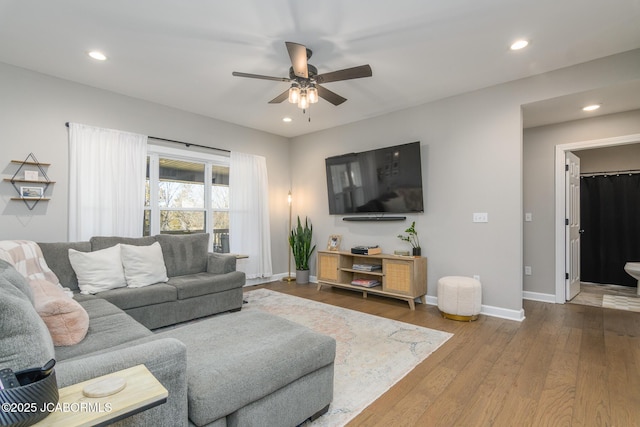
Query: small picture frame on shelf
[(31, 192), (334, 242), (31, 176)]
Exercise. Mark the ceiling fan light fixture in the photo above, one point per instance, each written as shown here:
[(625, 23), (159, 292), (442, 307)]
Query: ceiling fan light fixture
[(304, 78), (303, 102), (312, 93), (294, 93)]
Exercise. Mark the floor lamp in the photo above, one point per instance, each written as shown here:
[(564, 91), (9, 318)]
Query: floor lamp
[(289, 278)]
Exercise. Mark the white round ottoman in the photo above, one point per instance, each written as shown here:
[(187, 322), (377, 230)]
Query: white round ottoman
[(459, 298)]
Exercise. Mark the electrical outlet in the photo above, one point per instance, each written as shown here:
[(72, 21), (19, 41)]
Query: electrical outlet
[(528, 217), (475, 276), (527, 270)]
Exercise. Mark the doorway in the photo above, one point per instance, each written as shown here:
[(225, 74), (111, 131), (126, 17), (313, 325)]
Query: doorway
[(562, 268)]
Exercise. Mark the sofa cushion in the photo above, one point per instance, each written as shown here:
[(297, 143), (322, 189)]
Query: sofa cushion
[(24, 338), (98, 271), (98, 307), (103, 242), (246, 356), (184, 254), (126, 298), (195, 285), (66, 320), (143, 265), (57, 258), (105, 331)]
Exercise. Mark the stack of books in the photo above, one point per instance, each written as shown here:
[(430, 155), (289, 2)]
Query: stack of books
[(366, 283), (366, 267)]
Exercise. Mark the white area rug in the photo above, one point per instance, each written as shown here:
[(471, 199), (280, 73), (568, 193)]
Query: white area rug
[(372, 353)]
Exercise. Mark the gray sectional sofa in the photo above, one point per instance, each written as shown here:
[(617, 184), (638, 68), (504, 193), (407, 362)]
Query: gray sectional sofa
[(200, 283), (242, 368)]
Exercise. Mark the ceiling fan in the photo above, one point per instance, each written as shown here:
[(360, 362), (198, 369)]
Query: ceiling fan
[(305, 80)]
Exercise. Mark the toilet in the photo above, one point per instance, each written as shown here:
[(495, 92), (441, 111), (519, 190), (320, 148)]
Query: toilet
[(633, 270)]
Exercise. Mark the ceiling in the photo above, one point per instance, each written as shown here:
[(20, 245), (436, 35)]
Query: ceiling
[(612, 99), (181, 54)]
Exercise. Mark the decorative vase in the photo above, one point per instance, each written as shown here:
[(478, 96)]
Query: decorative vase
[(417, 251), (302, 277)]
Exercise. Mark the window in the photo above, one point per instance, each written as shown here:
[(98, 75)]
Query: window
[(187, 194)]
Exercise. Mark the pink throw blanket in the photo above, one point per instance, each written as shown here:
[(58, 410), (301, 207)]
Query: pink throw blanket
[(27, 258)]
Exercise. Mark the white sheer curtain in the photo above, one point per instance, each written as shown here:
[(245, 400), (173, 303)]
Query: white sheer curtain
[(107, 171), (249, 232)]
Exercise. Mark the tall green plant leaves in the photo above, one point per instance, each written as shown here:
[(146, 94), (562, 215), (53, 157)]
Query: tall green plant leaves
[(300, 242)]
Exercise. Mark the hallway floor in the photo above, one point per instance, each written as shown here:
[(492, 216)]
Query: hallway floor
[(608, 296)]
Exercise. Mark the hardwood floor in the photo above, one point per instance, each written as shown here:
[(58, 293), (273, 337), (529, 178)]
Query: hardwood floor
[(564, 365)]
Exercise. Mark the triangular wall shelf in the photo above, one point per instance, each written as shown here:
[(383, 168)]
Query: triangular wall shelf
[(30, 194)]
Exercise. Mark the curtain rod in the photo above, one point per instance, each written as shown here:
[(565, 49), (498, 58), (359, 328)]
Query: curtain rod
[(187, 144), (605, 173)]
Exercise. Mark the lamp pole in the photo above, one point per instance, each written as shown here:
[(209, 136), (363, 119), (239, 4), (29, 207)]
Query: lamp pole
[(289, 278)]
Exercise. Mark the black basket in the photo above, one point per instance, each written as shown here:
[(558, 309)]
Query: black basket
[(30, 403)]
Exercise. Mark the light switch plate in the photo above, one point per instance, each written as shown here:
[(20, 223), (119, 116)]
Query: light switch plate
[(480, 217)]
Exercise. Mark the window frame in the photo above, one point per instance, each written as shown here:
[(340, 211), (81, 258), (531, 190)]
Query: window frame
[(154, 153)]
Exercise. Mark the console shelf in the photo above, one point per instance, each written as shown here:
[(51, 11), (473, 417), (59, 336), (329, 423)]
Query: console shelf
[(400, 277)]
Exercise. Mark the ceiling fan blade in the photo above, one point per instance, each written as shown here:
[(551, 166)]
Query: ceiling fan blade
[(346, 74), (332, 97), (278, 99), (298, 55), (258, 76)]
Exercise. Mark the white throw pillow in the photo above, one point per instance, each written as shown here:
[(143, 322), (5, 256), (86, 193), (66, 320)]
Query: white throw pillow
[(98, 271), (143, 265)]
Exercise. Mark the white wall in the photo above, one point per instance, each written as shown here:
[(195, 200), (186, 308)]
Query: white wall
[(539, 175), (472, 162), (618, 158), (33, 112)]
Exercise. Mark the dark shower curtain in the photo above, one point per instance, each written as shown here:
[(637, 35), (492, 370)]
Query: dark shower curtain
[(610, 218)]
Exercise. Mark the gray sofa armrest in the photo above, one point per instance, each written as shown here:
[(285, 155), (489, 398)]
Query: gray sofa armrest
[(165, 358), (220, 263)]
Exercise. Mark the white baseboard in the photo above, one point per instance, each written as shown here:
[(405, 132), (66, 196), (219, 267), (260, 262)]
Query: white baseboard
[(487, 310), (274, 278), (432, 300), (263, 280), (537, 296), (503, 313)]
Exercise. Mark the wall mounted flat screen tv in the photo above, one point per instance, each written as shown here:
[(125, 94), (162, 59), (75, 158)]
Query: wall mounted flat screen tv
[(385, 180)]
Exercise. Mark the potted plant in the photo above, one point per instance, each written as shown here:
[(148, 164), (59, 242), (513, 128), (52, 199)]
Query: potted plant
[(412, 238), (300, 242)]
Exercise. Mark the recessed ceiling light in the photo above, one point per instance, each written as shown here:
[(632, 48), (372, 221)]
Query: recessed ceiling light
[(519, 44), (592, 107), (287, 119), (97, 55)]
